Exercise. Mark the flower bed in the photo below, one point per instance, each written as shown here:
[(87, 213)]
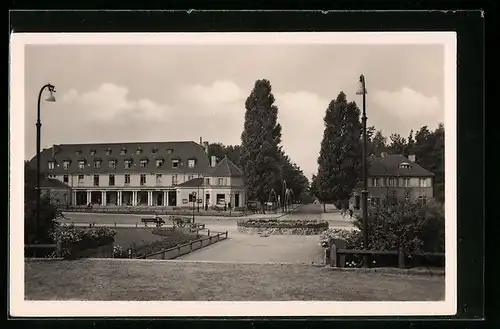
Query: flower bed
[(75, 240), (281, 227)]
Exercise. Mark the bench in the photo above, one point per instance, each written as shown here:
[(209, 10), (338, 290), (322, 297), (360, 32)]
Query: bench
[(157, 220)]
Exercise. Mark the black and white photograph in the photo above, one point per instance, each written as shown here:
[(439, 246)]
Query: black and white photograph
[(233, 174)]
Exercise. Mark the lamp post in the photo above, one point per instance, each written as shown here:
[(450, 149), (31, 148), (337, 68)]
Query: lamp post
[(51, 98), (364, 192), (197, 203), (194, 200)]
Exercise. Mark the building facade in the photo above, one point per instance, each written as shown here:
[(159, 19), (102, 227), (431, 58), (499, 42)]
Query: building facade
[(142, 174), (394, 173)]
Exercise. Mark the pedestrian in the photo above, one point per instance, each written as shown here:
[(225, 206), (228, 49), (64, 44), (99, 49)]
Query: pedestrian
[(225, 207), (350, 212), (206, 206)]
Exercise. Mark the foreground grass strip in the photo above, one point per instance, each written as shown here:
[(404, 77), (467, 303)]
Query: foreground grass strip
[(163, 280)]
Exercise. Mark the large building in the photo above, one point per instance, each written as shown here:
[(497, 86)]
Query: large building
[(164, 174), (395, 173)]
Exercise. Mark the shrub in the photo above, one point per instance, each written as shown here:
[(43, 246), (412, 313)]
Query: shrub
[(74, 238), (274, 223), (408, 224), (119, 252)]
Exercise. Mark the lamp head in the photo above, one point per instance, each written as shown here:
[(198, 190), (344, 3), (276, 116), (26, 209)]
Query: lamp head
[(361, 86), (51, 97)]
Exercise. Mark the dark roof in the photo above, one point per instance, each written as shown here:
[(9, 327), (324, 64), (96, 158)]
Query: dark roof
[(226, 168), (52, 183), (182, 151), (389, 165), (195, 182)]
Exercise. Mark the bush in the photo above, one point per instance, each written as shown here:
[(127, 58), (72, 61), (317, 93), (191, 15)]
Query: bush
[(408, 224), (74, 238), (275, 223), (119, 252)]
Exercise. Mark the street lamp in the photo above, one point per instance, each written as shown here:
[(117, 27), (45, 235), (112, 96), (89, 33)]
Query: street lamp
[(364, 192), (50, 98), (194, 200)]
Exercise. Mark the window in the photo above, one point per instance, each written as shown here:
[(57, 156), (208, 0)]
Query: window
[(143, 179), (112, 164), (207, 181), (405, 165), (81, 178), (78, 152), (111, 180), (169, 151), (65, 178), (108, 151), (92, 152), (374, 182), (392, 182), (406, 182), (422, 182), (97, 163), (96, 180), (66, 164), (191, 163), (220, 181), (175, 163), (174, 179), (127, 179), (221, 199), (190, 177), (128, 164), (192, 197), (51, 164), (154, 150), (81, 164), (158, 178), (138, 150), (123, 151), (422, 199), (144, 163), (159, 163)]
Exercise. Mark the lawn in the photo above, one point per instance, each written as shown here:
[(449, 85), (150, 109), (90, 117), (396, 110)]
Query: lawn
[(138, 280)]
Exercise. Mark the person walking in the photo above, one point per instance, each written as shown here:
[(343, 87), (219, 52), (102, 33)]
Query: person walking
[(350, 212)]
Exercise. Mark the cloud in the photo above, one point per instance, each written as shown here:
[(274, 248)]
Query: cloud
[(218, 93), (110, 101), (406, 103)]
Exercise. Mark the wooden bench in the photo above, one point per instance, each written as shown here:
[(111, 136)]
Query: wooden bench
[(157, 220)]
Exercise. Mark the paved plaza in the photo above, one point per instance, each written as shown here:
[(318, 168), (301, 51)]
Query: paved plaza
[(242, 247)]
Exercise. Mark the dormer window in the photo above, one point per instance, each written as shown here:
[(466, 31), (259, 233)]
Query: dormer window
[(405, 165), (154, 150), (52, 164), (123, 151), (108, 151), (138, 150), (78, 152), (92, 152), (112, 164), (128, 164), (144, 163), (66, 164), (159, 163), (175, 163), (170, 151), (81, 164), (97, 163), (191, 163)]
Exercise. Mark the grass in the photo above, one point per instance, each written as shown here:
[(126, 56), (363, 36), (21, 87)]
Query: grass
[(129, 280)]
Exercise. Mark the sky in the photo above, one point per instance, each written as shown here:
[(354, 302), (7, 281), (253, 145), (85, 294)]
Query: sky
[(127, 93)]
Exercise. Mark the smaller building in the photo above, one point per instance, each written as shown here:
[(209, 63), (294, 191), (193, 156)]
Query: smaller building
[(394, 173), (58, 192)]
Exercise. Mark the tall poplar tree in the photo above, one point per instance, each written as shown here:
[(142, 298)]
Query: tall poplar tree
[(260, 144), (339, 162)]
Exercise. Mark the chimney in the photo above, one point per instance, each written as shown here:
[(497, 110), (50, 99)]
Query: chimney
[(205, 145), (201, 141), (411, 157), (383, 154), (213, 161), (54, 151)]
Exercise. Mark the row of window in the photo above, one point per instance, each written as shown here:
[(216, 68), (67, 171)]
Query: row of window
[(395, 182), (124, 151), (143, 179), (128, 163), (375, 200)]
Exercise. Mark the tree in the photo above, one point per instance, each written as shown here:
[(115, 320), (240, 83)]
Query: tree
[(398, 144), (339, 162), (40, 233), (294, 177), (377, 144), (260, 143), (220, 150), (410, 145)]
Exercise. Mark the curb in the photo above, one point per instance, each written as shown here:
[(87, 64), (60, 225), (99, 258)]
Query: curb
[(389, 271)]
